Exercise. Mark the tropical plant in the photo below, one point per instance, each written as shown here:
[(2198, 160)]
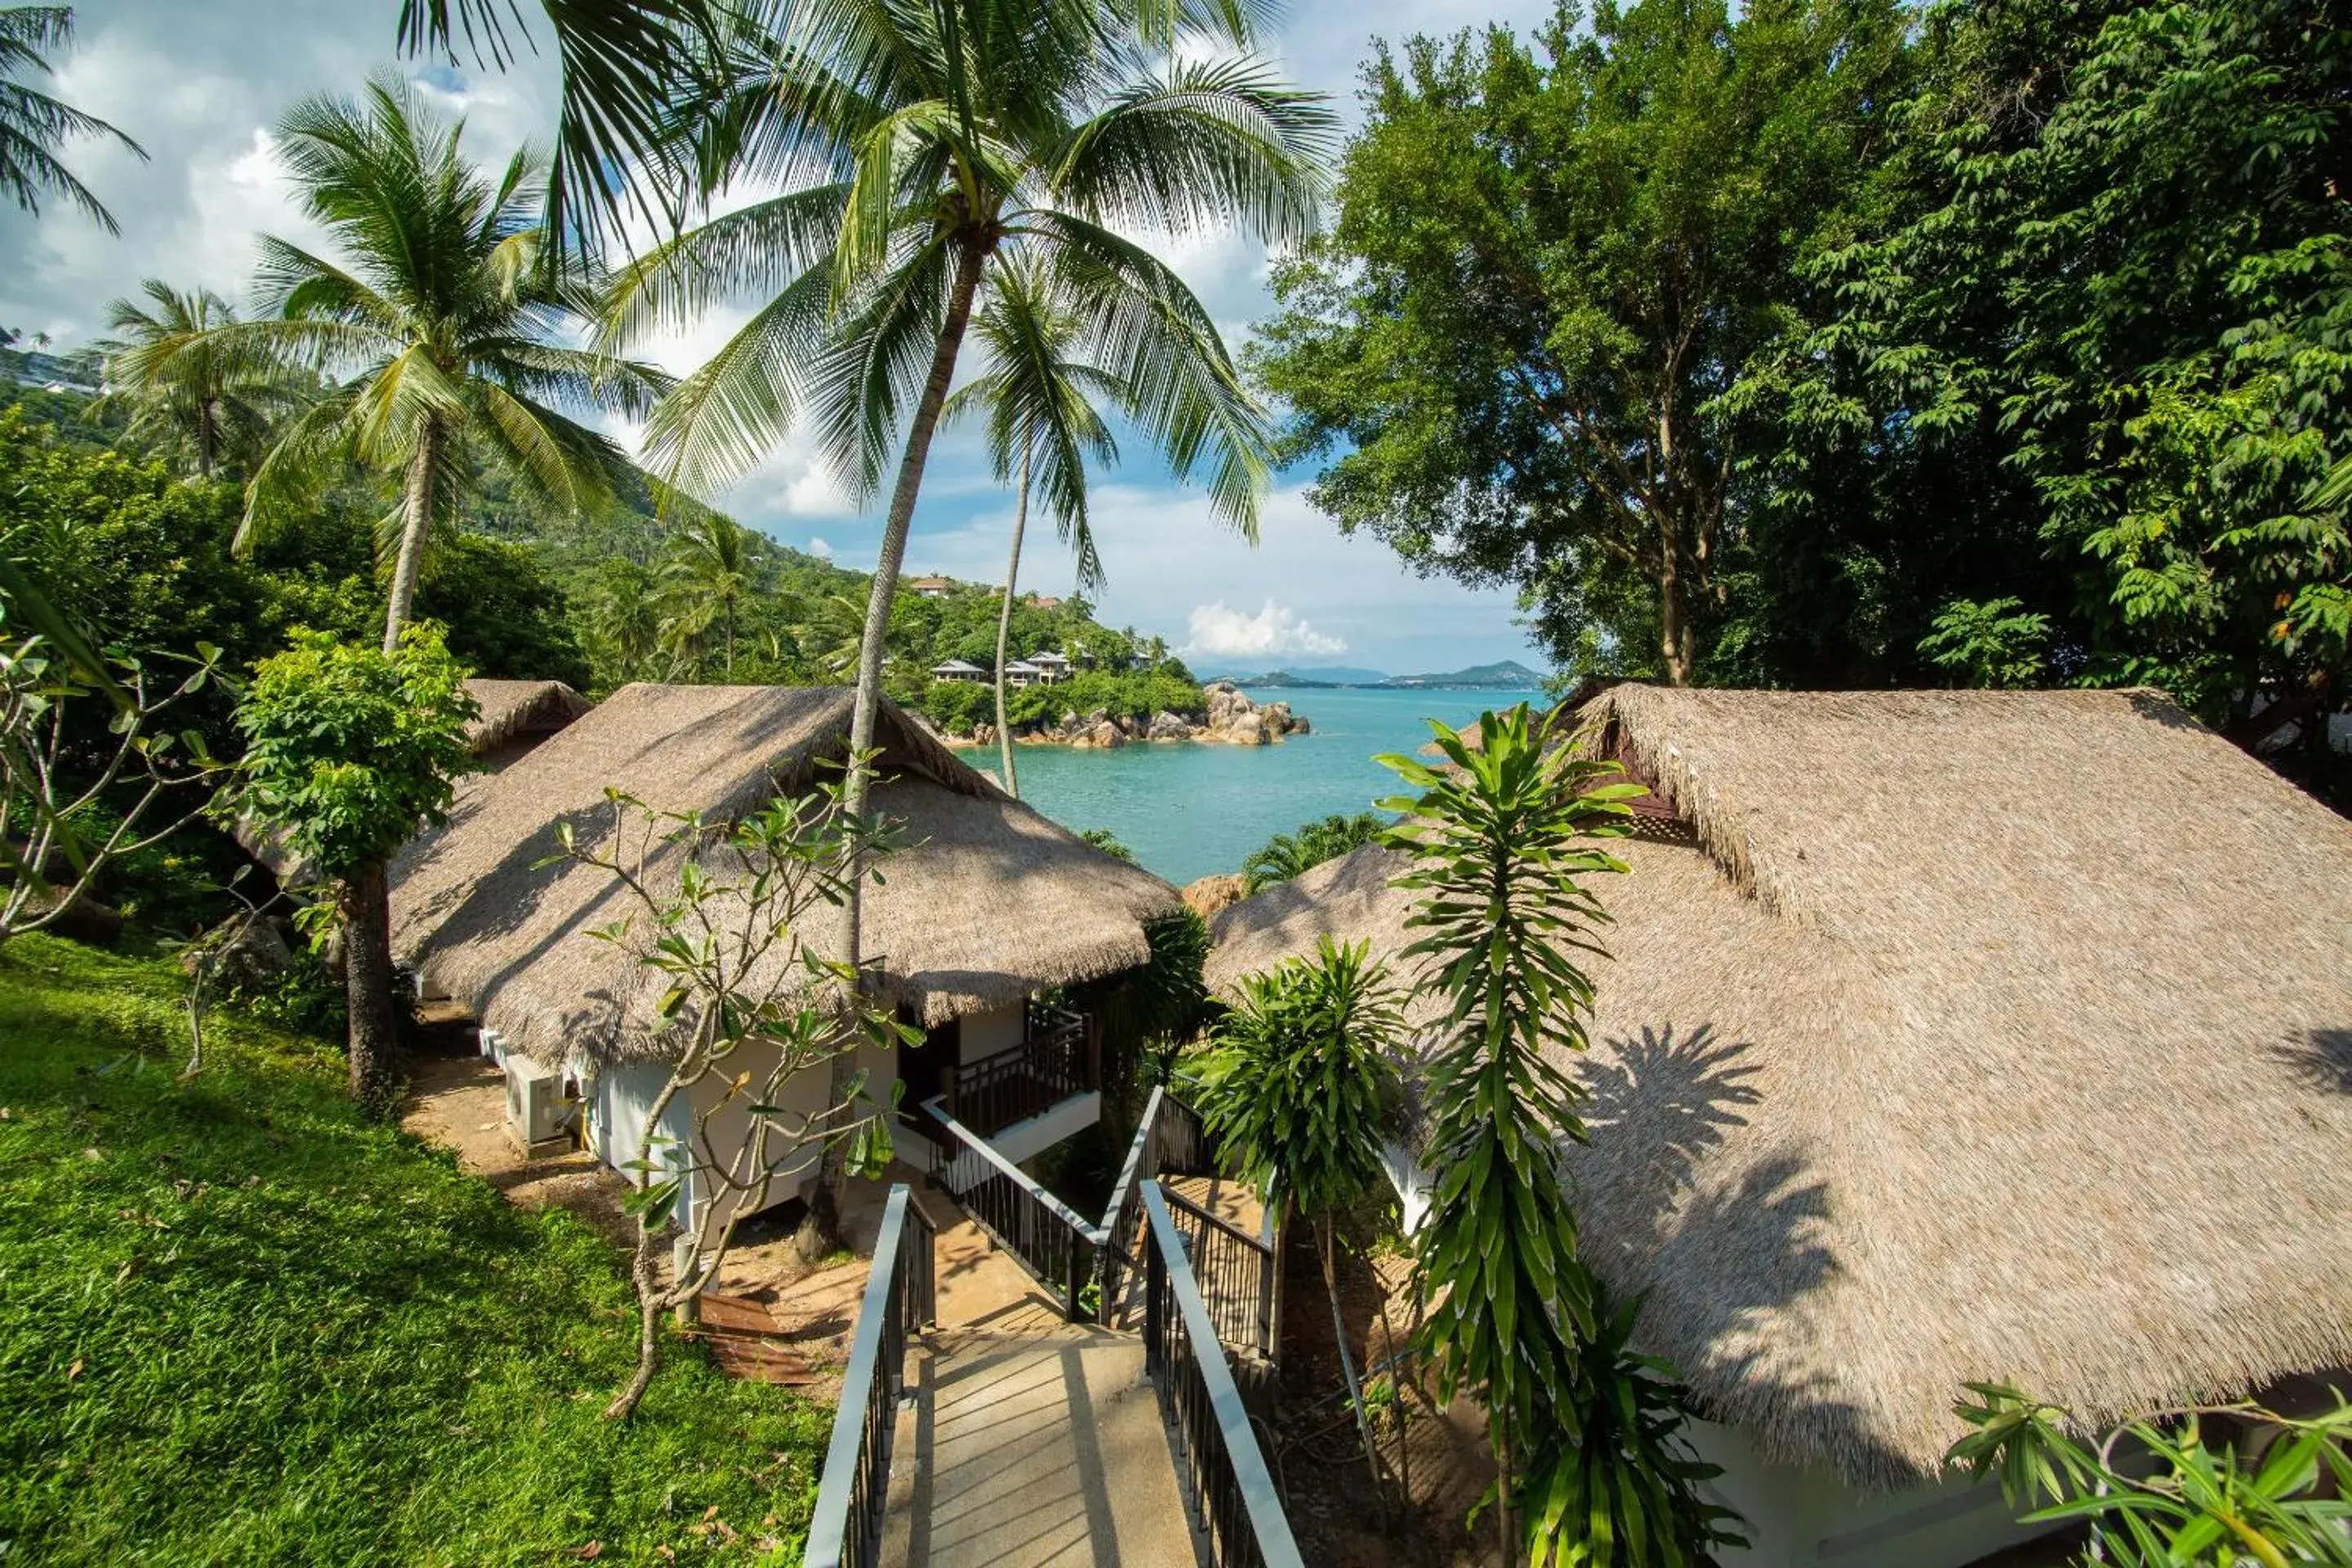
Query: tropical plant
[(1285, 854), (925, 146), (1298, 1092), (33, 124), (707, 575), (622, 616), (751, 1005), (1503, 840), (443, 330), (2213, 1484), (70, 811), (348, 750), (206, 397)]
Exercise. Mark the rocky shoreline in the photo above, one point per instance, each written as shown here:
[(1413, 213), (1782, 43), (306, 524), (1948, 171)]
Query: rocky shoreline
[(1229, 718)]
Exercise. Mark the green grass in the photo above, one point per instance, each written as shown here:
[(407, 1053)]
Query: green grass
[(237, 1325)]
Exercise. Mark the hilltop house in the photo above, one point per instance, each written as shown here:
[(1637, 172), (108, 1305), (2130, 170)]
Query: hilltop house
[(1945, 1037), (1051, 666), (930, 587), (957, 669), (986, 906)]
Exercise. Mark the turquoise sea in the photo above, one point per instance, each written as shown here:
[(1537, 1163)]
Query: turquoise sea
[(1188, 810)]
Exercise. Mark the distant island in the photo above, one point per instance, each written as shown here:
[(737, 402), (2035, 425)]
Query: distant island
[(1508, 676)]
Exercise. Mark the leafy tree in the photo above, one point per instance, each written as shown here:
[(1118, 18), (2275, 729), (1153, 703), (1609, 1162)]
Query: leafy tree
[(1298, 1091), (927, 146), (2112, 252), (747, 996), (1287, 855), (1104, 839), (443, 328), (1998, 643), (623, 620), (1503, 841), (348, 750), (33, 124), (1551, 263), (2220, 1485), (205, 398)]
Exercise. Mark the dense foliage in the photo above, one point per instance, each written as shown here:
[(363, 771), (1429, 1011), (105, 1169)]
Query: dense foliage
[(1797, 349), (239, 1324), (1285, 854)]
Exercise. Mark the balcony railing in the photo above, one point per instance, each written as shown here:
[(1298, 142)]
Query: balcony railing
[(1054, 1062), (854, 1491), (1220, 1469)]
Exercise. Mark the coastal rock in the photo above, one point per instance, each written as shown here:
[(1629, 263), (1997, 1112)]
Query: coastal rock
[(1167, 726), (983, 734), (1244, 729), (1298, 724), (1211, 894), (1278, 722), (1105, 734), (1225, 701)]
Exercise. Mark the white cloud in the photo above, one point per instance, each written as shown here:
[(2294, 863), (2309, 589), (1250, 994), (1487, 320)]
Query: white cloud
[(820, 549), (1221, 632)]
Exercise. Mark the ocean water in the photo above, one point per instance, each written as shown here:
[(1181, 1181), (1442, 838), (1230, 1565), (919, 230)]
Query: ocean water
[(1188, 810)]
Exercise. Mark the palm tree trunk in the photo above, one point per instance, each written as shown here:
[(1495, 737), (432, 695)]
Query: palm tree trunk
[(1004, 623), (414, 526), (820, 1231)]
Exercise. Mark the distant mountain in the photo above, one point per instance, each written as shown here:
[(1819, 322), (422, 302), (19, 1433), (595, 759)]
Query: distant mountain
[(1508, 676), (1331, 675)]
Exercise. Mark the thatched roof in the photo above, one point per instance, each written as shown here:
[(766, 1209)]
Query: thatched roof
[(1980, 1035), (988, 902), (513, 709)]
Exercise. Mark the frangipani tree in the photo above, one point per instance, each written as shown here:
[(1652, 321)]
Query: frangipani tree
[(443, 328), (922, 146)]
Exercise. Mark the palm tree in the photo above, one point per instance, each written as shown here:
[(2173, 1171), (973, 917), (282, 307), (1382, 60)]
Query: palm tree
[(443, 329), (707, 571), (33, 124), (1287, 855), (925, 145), (622, 619), (1036, 399), (211, 396)]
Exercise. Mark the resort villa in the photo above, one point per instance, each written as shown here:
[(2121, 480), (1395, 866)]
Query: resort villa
[(958, 671), (986, 908), (1945, 1037)]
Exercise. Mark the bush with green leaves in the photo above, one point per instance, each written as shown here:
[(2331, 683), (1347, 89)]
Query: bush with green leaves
[(2219, 1484), (349, 752)]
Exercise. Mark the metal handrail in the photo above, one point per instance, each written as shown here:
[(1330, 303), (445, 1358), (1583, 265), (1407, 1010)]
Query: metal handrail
[(1221, 1254), (1048, 1239), (854, 1493), (1228, 1490)]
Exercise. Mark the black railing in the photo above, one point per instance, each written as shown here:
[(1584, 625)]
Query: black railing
[(1170, 1138), (854, 1493), (1051, 1064), (1234, 1271), (1041, 1232), (1228, 1490)]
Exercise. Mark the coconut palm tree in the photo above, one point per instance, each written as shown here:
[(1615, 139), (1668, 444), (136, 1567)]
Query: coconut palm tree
[(1288, 855), (623, 620), (922, 147), (441, 328), (33, 124), (707, 573), (209, 396)]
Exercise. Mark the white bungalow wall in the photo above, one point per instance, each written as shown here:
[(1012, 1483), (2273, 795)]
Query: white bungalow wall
[(993, 1031), (1805, 1517)]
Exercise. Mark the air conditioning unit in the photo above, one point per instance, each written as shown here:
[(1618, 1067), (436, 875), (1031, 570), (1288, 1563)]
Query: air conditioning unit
[(538, 1111)]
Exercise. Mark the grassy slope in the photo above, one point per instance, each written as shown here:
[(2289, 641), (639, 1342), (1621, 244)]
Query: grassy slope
[(239, 1326)]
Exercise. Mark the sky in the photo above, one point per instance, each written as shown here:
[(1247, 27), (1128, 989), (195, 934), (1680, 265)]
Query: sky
[(199, 86)]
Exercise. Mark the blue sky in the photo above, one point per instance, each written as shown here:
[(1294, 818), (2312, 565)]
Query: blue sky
[(199, 85)]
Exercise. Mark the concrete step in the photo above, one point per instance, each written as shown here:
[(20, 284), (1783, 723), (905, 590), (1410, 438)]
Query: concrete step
[(1038, 1447)]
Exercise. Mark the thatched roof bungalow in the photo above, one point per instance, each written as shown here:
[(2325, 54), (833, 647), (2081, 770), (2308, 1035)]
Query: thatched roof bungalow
[(1947, 1036), (985, 905), (516, 715)]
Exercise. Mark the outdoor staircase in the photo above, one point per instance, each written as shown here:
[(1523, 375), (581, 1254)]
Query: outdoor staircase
[(1040, 1445), (984, 1421)]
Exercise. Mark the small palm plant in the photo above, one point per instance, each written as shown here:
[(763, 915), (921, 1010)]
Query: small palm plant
[(210, 396), (443, 326), (1298, 1094), (1288, 855)]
